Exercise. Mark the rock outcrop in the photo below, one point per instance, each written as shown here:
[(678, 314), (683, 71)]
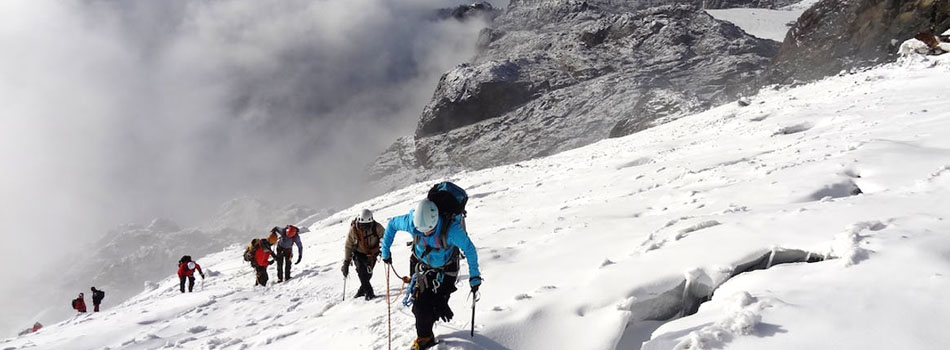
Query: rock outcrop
[(555, 75), (765, 4), (837, 35), (464, 12)]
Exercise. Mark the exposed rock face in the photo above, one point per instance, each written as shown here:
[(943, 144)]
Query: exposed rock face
[(836, 35), (556, 75), (463, 12), (469, 94), (766, 4)]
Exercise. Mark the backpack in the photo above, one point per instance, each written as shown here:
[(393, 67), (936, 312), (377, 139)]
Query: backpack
[(249, 252), (361, 236), (451, 200), (184, 259), (73, 303)]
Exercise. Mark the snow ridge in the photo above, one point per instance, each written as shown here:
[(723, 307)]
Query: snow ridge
[(547, 228)]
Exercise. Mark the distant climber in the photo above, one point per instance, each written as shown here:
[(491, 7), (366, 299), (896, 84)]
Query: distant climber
[(289, 236), (79, 304), (362, 246), (186, 270), (36, 327), (258, 253), (435, 260), (97, 296)]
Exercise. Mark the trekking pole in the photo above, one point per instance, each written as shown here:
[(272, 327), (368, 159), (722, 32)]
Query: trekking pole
[(474, 299), (344, 288), (389, 320)]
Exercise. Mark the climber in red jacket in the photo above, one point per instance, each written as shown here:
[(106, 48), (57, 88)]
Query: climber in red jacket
[(79, 303), (186, 270)]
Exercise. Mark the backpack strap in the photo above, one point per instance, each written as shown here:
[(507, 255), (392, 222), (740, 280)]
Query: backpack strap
[(444, 230), (442, 238), (359, 236)]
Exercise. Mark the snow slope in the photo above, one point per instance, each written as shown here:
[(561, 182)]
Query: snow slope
[(606, 246), (764, 23)]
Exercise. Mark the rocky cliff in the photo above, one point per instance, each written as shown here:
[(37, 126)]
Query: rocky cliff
[(837, 35), (555, 75)]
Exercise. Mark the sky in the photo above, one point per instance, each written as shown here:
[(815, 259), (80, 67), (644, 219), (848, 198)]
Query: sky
[(123, 111)]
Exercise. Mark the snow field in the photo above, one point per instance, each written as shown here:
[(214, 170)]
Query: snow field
[(764, 23), (618, 243)]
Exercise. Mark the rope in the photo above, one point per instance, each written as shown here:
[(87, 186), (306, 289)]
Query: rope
[(396, 273), (401, 289), (389, 319)]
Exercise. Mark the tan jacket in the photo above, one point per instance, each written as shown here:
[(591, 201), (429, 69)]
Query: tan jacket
[(363, 242)]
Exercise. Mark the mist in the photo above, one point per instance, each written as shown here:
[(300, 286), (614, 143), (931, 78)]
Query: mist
[(122, 111)]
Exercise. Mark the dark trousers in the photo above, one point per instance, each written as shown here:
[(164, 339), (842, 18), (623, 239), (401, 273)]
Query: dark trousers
[(432, 302), (284, 260), (261, 275), (364, 269), (191, 283)]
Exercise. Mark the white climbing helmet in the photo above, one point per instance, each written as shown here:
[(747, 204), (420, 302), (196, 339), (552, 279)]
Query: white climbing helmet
[(426, 216), (365, 217), (191, 265)]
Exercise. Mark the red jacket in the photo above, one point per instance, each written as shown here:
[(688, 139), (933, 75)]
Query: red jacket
[(79, 304), (184, 271), (261, 256)]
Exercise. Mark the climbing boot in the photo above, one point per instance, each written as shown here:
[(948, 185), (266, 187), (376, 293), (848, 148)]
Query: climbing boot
[(423, 343)]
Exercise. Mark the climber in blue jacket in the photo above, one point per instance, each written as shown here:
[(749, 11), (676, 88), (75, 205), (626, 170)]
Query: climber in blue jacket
[(434, 264)]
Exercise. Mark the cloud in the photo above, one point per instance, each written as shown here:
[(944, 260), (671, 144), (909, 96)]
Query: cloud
[(118, 111)]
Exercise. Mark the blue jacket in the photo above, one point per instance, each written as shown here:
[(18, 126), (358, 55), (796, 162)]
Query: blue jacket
[(438, 256)]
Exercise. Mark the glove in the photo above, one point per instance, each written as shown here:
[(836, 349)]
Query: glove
[(270, 262), (202, 276), (475, 282), (445, 313), (299, 257), (345, 269), (388, 261)]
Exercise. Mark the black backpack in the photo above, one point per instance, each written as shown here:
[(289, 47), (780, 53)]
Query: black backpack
[(451, 200)]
